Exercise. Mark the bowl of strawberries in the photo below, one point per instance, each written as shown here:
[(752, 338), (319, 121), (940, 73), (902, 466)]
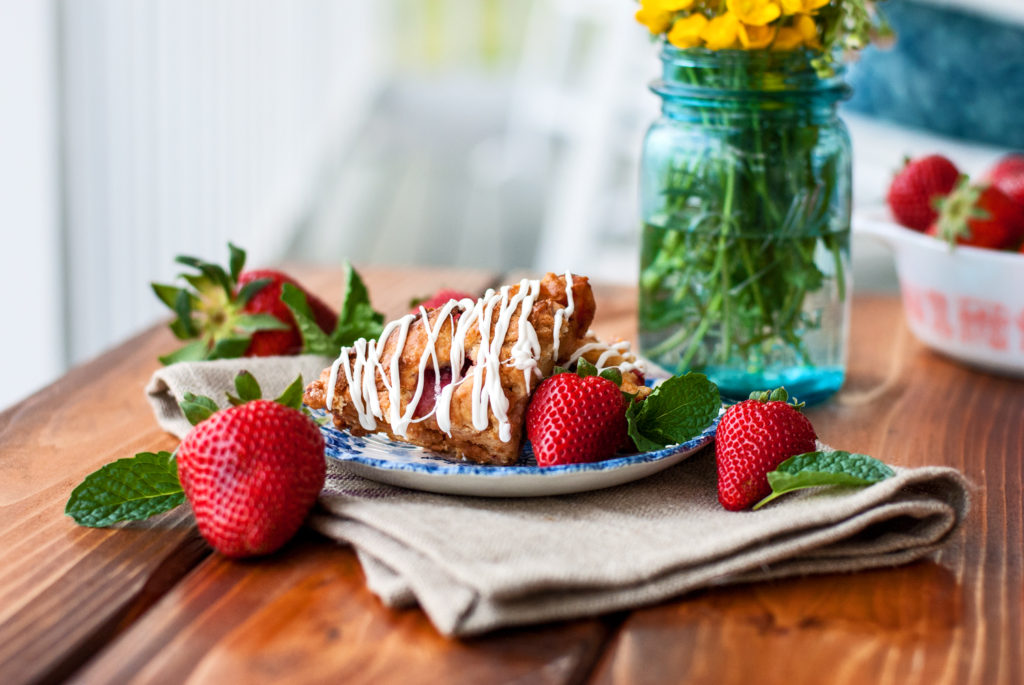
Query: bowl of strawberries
[(959, 250)]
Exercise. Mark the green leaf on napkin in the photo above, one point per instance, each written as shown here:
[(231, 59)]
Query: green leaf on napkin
[(357, 318), (814, 469), (127, 490), (678, 409)]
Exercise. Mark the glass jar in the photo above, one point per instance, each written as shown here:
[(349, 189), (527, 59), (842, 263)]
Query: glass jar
[(745, 194)]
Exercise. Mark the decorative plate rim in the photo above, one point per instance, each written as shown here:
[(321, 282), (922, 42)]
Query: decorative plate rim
[(449, 468)]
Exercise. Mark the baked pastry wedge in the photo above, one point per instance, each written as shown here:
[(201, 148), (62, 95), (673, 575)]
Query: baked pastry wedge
[(457, 379)]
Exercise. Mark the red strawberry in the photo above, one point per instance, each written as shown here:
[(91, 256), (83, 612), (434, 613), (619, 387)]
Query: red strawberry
[(235, 313), (439, 299), (982, 216), (1008, 176), (753, 438), (252, 473), (574, 420), (268, 301), (914, 189)]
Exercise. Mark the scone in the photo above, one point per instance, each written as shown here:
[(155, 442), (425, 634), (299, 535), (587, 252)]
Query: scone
[(457, 379)]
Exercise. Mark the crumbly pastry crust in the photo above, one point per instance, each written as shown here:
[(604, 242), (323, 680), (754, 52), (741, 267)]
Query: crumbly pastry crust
[(552, 306)]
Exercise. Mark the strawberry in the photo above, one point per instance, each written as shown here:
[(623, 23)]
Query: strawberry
[(914, 189), (268, 301), (251, 473), (439, 299), (979, 215), (1008, 176), (575, 420), (235, 313), (755, 436)]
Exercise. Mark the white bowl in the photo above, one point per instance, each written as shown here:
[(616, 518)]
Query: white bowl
[(965, 302)]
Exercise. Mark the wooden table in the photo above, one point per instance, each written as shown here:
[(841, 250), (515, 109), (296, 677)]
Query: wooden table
[(149, 603)]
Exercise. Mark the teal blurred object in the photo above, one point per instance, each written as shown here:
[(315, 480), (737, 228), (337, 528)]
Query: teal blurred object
[(745, 195), (951, 71)]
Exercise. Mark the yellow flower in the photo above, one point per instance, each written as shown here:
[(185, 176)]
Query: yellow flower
[(670, 5), (801, 6), (754, 12), (657, 15), (720, 32), (804, 23), (755, 37), (656, 21), (686, 31), (802, 32)]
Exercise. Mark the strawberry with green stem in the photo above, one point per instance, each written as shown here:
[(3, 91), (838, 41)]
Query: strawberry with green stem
[(251, 473), (915, 189), (980, 216), (754, 437), (228, 313)]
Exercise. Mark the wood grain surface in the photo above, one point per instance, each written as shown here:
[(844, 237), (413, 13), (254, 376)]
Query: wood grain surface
[(148, 602)]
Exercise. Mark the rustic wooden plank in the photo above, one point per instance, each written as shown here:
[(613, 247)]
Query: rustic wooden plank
[(65, 590), (306, 616), (953, 619)]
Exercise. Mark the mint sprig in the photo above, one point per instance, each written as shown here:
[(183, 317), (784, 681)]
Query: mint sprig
[(127, 490), (677, 410), (815, 469), (357, 318)]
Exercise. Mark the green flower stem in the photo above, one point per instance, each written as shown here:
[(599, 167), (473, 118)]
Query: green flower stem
[(723, 250)]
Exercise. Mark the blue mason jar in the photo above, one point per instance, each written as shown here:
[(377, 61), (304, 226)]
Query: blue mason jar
[(745, 193)]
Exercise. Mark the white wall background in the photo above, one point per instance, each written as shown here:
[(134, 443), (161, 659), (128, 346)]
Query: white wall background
[(31, 307), (496, 133)]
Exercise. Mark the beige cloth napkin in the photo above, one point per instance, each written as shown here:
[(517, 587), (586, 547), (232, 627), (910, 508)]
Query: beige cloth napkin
[(476, 564)]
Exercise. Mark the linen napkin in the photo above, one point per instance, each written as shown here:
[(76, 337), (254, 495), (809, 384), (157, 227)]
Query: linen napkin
[(477, 564)]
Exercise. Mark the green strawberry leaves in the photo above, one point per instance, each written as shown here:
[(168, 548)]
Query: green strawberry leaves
[(815, 469), (357, 318), (197, 408), (247, 388), (584, 368), (677, 410), (210, 316), (127, 490), (292, 395)]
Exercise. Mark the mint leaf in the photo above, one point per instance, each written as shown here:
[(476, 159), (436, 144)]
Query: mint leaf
[(127, 490), (612, 374), (292, 395), (357, 318), (314, 340), (678, 409), (197, 408), (814, 469)]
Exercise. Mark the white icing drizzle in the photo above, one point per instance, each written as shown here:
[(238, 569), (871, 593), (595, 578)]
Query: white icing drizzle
[(618, 349), (569, 310), (363, 368)]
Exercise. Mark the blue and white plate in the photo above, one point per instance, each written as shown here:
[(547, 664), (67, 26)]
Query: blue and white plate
[(381, 459)]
